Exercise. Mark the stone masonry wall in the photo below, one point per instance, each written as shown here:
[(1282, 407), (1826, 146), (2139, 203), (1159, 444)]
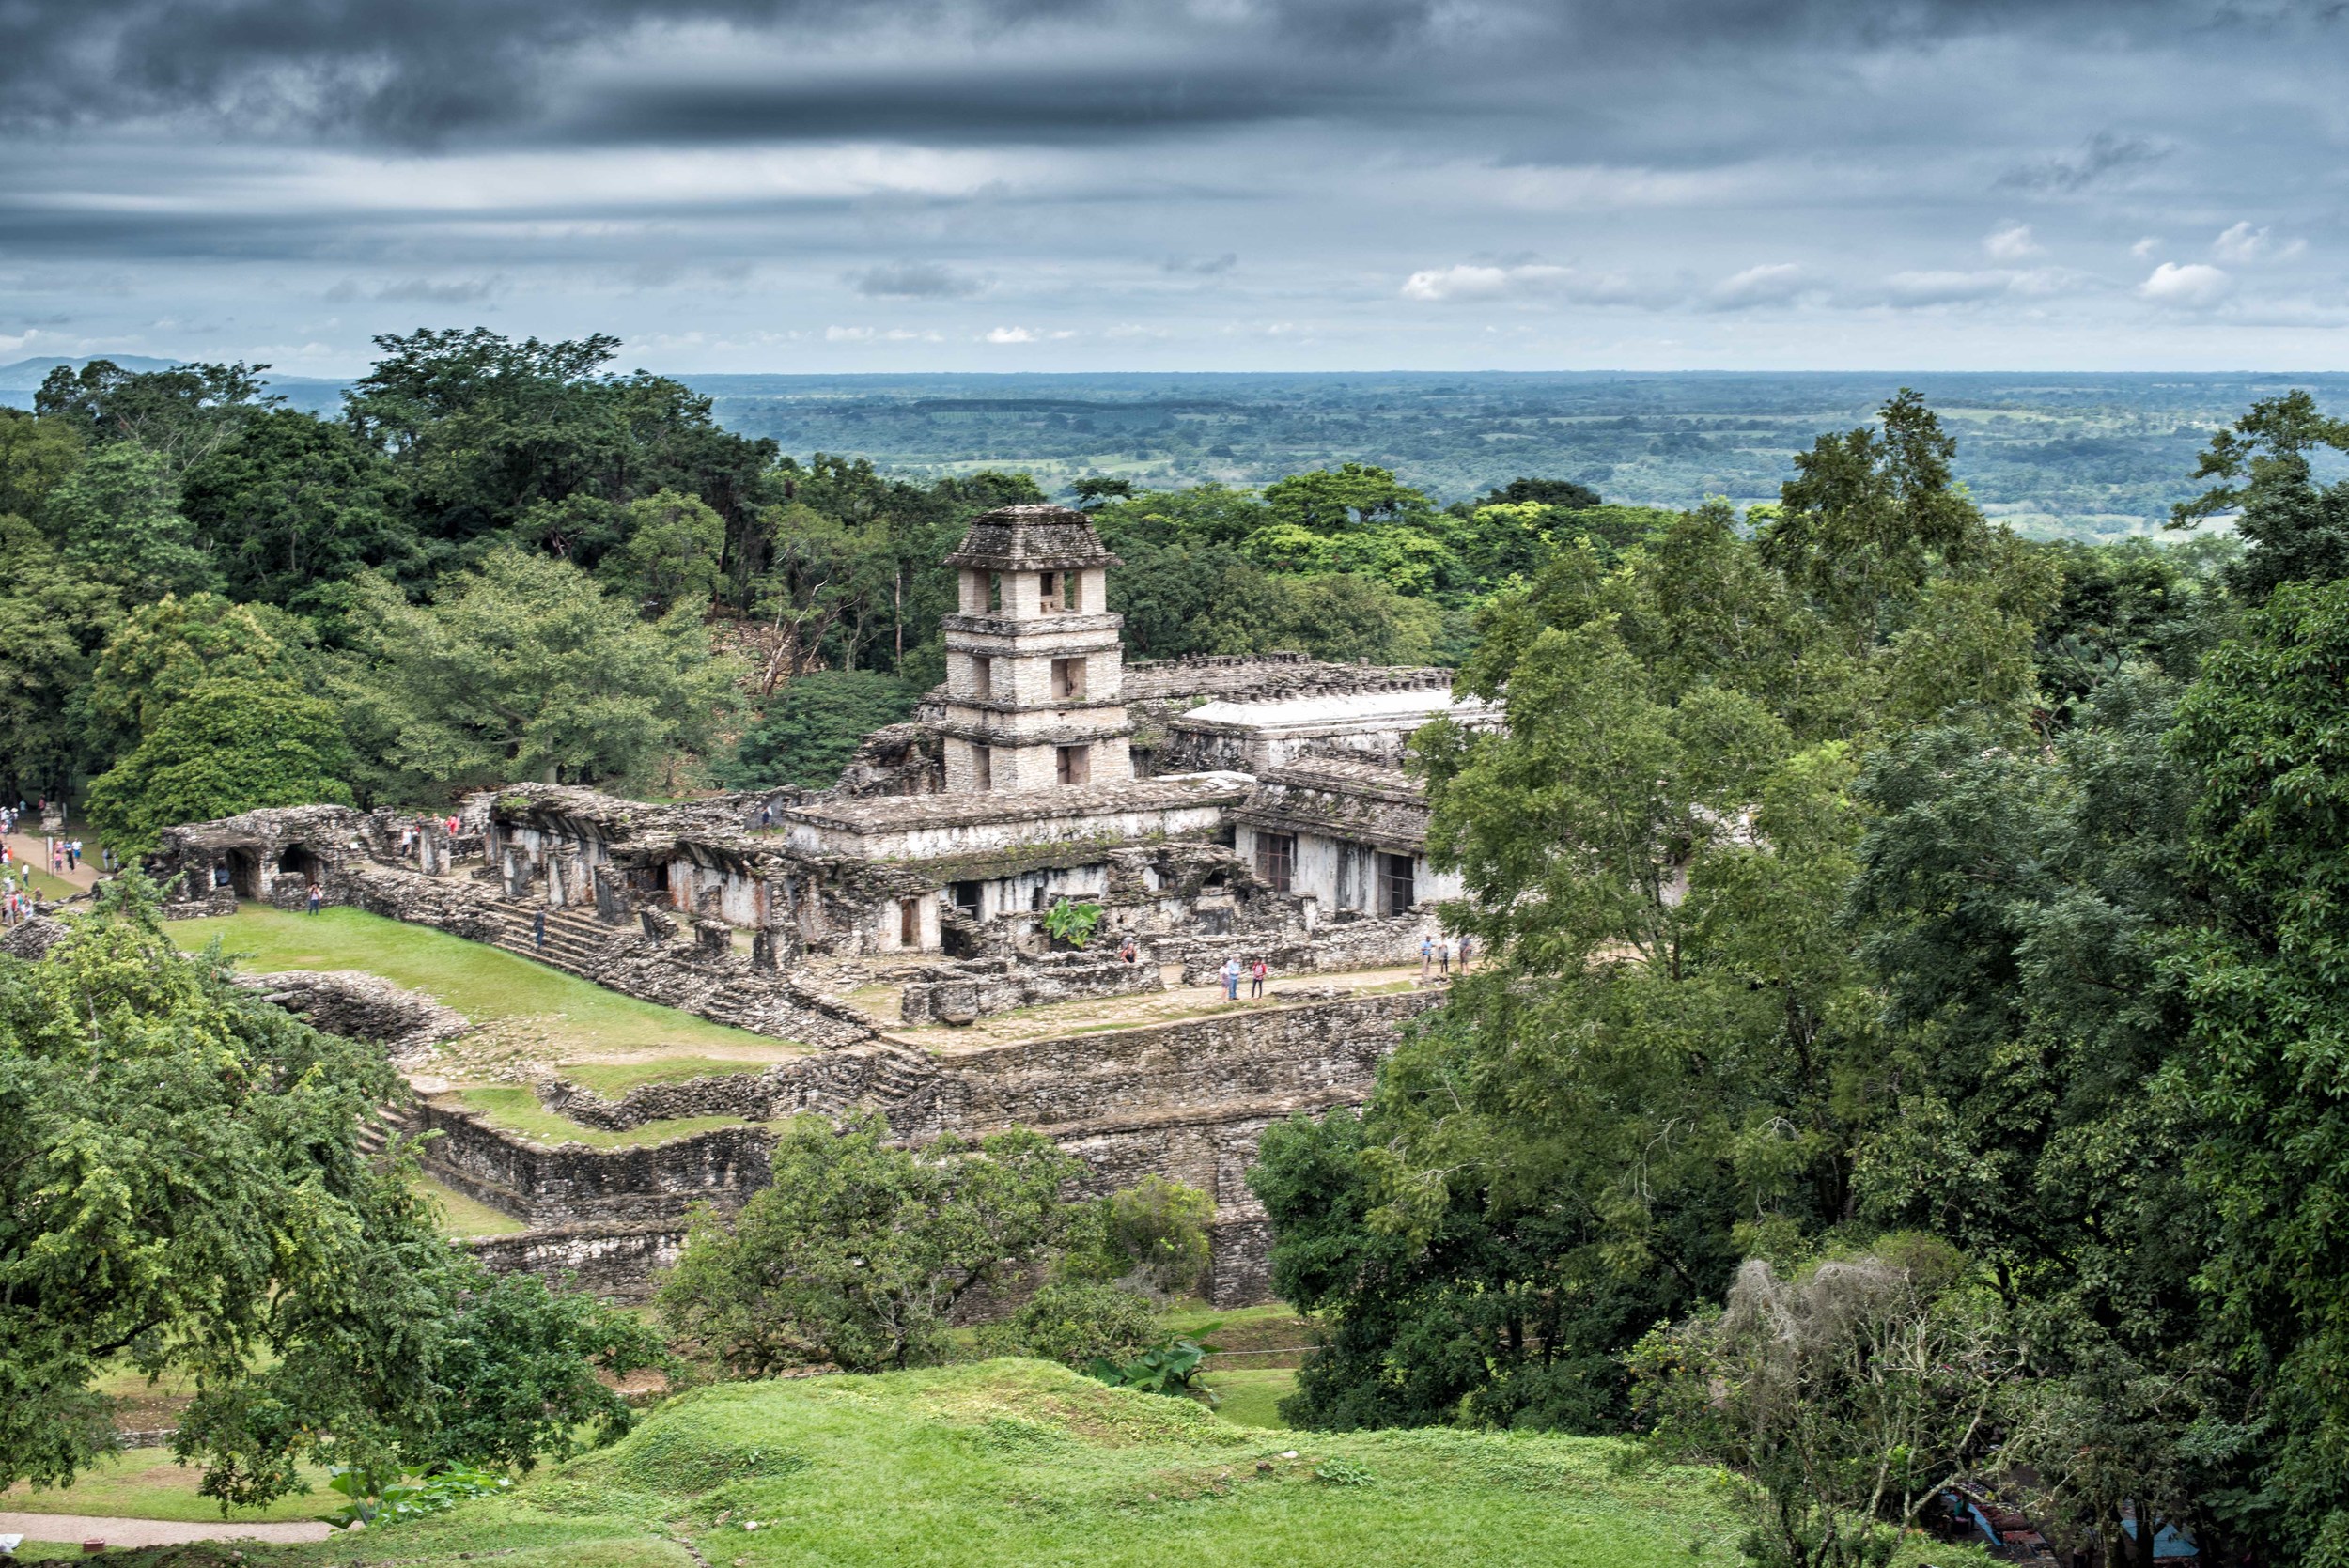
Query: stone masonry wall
[(962, 993)]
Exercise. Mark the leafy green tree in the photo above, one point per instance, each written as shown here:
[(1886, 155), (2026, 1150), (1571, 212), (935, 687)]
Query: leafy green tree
[(1870, 515), (1075, 1322), (159, 652), (182, 415), (488, 437), (295, 507), (228, 745), (35, 456), (183, 1188), (814, 726), (523, 667), (2297, 530), (671, 559), (2264, 985), (858, 1253), (118, 519), (1343, 616), (54, 619)]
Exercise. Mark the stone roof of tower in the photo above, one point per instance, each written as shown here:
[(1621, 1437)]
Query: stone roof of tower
[(1035, 537)]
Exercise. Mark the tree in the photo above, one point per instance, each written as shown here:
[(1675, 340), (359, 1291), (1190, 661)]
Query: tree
[(294, 507), (1341, 616), (182, 415), (522, 667), (35, 456), (814, 726), (671, 556), (118, 519), (1842, 1401), (858, 1253), (1870, 515), (227, 746), (2269, 1009), (181, 1187), (1076, 1322), (2297, 530), (159, 652), (54, 618)]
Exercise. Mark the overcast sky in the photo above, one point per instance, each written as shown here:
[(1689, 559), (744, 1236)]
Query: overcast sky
[(843, 185)]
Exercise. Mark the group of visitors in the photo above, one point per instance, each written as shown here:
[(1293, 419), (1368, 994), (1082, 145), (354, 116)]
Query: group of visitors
[(1435, 957), (1255, 971), (412, 836)]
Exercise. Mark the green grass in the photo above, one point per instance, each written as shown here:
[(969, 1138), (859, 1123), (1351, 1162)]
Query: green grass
[(485, 984), (1251, 1397), (461, 1216), (614, 1080), (146, 1483), (519, 1110), (1023, 1463)]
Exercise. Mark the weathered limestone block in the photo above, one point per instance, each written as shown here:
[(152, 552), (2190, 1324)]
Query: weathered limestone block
[(963, 993)]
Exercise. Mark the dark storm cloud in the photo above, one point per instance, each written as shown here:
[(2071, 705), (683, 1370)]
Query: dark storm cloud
[(429, 71)]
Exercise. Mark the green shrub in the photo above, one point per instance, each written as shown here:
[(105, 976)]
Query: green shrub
[(1075, 1322)]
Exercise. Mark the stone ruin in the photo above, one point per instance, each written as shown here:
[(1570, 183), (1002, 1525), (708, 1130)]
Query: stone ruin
[(1210, 808)]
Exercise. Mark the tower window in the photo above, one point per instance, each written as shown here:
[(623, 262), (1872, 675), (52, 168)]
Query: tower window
[(1068, 679), (982, 676), (1076, 764), (1069, 581), (1048, 592), (982, 769), (1276, 860)]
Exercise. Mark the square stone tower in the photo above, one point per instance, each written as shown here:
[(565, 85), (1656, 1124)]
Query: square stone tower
[(1034, 668)]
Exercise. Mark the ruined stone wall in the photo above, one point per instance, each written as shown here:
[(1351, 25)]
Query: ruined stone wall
[(617, 1262), (360, 1006), (1184, 1100), (575, 1183), (1334, 945), (962, 993)]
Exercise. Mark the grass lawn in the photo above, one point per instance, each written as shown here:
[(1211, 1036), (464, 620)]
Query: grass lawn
[(461, 1216), (1023, 1463), (485, 984), (146, 1483), (1247, 1397), (519, 1110)]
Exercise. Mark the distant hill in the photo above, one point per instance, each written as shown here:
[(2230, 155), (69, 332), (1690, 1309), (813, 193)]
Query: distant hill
[(26, 375)]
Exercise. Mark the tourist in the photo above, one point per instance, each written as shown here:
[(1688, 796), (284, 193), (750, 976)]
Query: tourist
[(73, 854), (1443, 958), (1427, 955), (316, 899), (1463, 953), (1129, 950), (539, 930), (1231, 979), (1256, 972)]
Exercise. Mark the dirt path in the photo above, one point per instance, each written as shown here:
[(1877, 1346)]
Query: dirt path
[(73, 1527), (33, 850)]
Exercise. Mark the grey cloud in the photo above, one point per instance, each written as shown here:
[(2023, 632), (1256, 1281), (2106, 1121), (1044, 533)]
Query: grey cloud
[(915, 280), (455, 292), (1201, 265), (2106, 154)]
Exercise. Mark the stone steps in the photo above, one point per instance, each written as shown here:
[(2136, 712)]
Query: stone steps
[(375, 1136)]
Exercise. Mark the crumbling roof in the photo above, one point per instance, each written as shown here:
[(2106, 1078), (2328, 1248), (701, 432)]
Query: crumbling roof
[(1013, 538), (872, 813), (1359, 802)]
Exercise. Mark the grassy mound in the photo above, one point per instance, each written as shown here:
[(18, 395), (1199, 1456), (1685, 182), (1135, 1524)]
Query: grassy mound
[(1021, 1462)]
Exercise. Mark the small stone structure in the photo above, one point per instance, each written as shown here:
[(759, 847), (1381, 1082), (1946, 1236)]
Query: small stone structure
[(1210, 809)]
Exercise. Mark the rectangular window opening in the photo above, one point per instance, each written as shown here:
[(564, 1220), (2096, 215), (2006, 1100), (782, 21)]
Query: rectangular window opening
[(1401, 889), (1068, 679), (908, 922), (982, 769), (1276, 860), (995, 591), (982, 676), (1076, 764), (1048, 592)]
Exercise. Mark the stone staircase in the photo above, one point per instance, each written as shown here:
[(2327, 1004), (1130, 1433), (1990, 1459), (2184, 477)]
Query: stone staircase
[(574, 940), (377, 1134)]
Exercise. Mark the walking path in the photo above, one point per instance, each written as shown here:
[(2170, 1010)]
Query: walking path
[(33, 850), (70, 1528)]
